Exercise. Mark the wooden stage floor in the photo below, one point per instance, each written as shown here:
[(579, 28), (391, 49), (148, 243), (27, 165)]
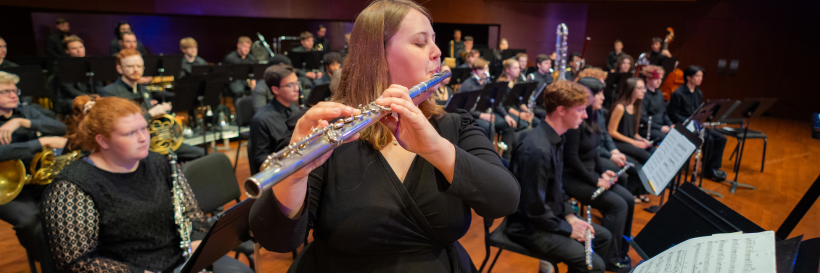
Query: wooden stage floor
[(792, 164)]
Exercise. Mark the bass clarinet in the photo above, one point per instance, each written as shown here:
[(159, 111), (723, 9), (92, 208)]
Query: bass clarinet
[(561, 51), (283, 163)]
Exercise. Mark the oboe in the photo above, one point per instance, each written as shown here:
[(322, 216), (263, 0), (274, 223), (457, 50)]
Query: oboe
[(601, 190), (588, 240), (283, 163)]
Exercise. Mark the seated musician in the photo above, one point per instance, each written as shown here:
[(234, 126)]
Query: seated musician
[(261, 93), (116, 46), (573, 66), (306, 39), (19, 127), (479, 78), (522, 63), (54, 45), (584, 174), (461, 55), (190, 51), (113, 210), (503, 45), (545, 222), (682, 104), (458, 44), (625, 64), (238, 88), (624, 120), (128, 40), (4, 63), (268, 124), (653, 105), (438, 166), (130, 65), (443, 92), (321, 38), (75, 48), (332, 62), (592, 72), (542, 74), (472, 56), (514, 118), (612, 59)]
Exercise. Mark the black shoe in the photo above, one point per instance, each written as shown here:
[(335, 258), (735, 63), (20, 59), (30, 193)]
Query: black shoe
[(626, 260), (619, 267), (716, 175)]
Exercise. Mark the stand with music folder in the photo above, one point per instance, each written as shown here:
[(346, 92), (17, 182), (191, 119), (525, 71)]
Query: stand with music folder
[(308, 61), (748, 109), (319, 93), (518, 95), (460, 75), (490, 98), (697, 124), (32, 80), (463, 100), (229, 231), (673, 152)]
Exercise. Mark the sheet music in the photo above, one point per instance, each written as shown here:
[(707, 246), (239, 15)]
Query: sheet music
[(667, 160), (724, 253)]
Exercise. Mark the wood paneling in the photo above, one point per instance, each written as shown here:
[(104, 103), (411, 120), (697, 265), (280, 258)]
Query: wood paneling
[(791, 167)]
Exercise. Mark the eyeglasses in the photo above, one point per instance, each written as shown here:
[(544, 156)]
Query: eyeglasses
[(290, 85), (140, 67), (10, 91)]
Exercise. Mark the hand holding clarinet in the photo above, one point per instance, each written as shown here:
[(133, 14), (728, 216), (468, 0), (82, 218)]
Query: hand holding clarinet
[(612, 179)]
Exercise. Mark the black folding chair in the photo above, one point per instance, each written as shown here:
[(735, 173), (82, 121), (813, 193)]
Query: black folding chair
[(244, 114), (498, 238)]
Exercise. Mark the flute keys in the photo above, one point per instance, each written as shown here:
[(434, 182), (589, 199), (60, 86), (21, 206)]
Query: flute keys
[(334, 137)]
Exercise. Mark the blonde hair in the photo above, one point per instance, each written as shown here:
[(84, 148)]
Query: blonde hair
[(479, 63), (507, 64), (8, 78), (187, 42), (365, 72), (244, 40)]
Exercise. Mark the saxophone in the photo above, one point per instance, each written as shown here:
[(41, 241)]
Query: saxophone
[(184, 224)]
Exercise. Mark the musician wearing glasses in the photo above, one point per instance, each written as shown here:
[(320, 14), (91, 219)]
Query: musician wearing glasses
[(545, 222), (189, 49), (19, 129), (3, 51), (400, 196), (114, 209), (131, 66), (268, 124)]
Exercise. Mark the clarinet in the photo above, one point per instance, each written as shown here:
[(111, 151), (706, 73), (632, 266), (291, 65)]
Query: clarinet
[(649, 129), (283, 163), (588, 240), (532, 99), (601, 190), (183, 223)]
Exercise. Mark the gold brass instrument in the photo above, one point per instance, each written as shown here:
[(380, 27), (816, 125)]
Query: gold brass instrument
[(319, 47), (451, 61), (166, 132), (13, 172)]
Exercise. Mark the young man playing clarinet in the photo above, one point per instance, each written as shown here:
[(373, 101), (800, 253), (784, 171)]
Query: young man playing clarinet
[(545, 222)]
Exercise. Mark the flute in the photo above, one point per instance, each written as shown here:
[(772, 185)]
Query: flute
[(601, 190), (649, 129), (283, 163), (588, 240)]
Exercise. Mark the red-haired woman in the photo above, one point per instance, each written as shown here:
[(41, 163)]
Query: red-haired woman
[(399, 197), (112, 211)]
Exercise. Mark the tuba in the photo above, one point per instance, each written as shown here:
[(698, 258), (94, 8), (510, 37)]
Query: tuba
[(13, 172), (166, 132)]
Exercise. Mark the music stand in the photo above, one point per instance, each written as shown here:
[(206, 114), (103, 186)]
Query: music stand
[(187, 89), (104, 69), (319, 93), (305, 60), (229, 231), (748, 109), (242, 71), (510, 53), (161, 65), (518, 95), (490, 98), (463, 100), (32, 80), (201, 70), (460, 75), (699, 120), (258, 71)]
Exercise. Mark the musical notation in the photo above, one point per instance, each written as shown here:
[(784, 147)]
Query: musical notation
[(722, 253)]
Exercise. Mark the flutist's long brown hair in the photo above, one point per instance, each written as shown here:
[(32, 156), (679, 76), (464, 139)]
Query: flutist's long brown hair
[(365, 72)]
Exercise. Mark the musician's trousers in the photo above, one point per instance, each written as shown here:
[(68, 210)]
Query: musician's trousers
[(22, 213), (569, 251), (187, 152), (631, 181), (616, 205), (713, 150)]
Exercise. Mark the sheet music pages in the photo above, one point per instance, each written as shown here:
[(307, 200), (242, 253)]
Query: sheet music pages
[(724, 253), (667, 160)]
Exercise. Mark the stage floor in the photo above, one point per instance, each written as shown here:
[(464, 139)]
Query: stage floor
[(791, 166)]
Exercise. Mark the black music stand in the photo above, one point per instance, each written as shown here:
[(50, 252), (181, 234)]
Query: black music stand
[(319, 93), (748, 109), (32, 80), (689, 213), (463, 100), (518, 95), (490, 98), (242, 71), (186, 91), (161, 65), (510, 53), (613, 82), (671, 187), (229, 231), (104, 69), (258, 71), (307, 61), (700, 117), (460, 75), (201, 70)]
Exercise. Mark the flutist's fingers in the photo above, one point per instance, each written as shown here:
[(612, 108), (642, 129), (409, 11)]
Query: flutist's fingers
[(318, 116)]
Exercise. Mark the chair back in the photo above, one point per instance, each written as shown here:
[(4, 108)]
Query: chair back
[(244, 111), (213, 181)]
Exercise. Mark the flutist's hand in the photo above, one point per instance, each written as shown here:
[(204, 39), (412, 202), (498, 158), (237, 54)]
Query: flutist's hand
[(604, 183), (415, 133), (291, 191), (665, 129), (579, 228)]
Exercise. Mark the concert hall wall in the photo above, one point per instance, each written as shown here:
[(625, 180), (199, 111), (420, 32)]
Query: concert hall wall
[(774, 41)]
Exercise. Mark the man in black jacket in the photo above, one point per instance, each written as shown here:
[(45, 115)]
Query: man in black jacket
[(19, 129), (54, 45), (683, 102), (545, 222), (3, 51), (653, 106)]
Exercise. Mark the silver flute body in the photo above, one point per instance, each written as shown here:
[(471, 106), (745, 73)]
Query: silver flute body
[(588, 240), (285, 162), (601, 190)]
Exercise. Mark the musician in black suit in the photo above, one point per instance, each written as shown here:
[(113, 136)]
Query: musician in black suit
[(115, 45), (238, 88), (321, 38), (54, 44), (3, 50), (268, 125), (614, 55), (66, 92), (189, 48)]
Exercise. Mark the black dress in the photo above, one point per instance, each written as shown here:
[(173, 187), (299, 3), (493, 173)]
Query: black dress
[(627, 128), (366, 220)]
